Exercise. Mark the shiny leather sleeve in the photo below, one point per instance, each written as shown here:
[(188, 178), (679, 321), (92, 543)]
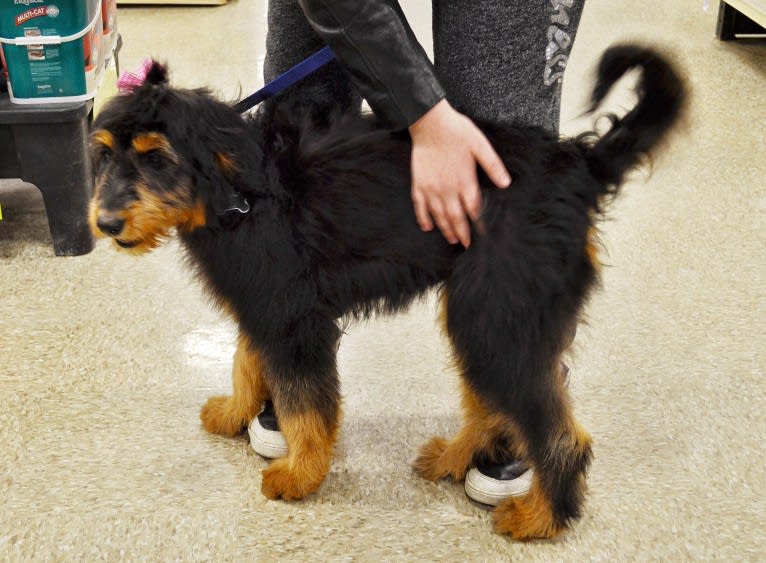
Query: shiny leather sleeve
[(374, 43)]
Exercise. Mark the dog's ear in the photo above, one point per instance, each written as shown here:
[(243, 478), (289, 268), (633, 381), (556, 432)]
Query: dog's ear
[(221, 187), (223, 153), (157, 73), (227, 198)]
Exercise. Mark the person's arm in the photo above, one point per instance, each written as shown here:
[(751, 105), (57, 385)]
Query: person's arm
[(376, 46), (374, 43)]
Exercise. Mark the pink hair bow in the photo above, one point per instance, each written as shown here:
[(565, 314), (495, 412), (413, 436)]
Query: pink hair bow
[(129, 81)]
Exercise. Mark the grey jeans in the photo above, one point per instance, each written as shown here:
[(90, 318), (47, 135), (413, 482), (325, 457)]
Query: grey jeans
[(501, 60)]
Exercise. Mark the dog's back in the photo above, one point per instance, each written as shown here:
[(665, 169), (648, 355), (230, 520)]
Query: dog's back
[(353, 211)]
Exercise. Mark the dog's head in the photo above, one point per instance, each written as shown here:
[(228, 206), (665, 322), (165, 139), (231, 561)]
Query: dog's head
[(164, 162)]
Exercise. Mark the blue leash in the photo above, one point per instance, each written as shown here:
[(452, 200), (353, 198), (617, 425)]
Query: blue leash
[(283, 81)]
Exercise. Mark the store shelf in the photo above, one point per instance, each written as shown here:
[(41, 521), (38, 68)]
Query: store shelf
[(753, 9), (741, 17)]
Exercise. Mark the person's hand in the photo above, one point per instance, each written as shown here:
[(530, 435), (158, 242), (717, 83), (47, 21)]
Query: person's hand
[(446, 146)]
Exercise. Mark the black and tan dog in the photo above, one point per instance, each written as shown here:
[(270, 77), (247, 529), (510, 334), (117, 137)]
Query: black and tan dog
[(292, 228)]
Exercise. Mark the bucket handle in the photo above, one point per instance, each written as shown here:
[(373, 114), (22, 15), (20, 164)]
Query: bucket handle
[(52, 39)]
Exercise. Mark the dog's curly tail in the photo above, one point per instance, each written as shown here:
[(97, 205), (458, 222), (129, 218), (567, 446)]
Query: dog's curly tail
[(662, 98)]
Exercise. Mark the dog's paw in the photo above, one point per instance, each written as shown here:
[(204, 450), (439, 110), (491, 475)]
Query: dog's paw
[(218, 417), (523, 518), (436, 462), (280, 481)]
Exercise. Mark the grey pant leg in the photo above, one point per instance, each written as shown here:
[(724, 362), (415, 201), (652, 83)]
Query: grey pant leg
[(504, 60), (289, 40)]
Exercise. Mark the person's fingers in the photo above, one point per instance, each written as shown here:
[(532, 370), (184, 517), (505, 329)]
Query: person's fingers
[(447, 147), (442, 220), (459, 223), (470, 197), (491, 163), (421, 211)]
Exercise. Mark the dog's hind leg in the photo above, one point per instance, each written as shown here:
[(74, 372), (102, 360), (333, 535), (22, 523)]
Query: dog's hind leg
[(229, 415), (561, 451), (509, 346), (304, 385), (547, 434), (480, 434)]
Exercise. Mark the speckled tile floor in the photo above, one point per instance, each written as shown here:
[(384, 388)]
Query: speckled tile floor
[(105, 359)]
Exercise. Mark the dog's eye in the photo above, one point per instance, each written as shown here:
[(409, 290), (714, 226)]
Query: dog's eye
[(155, 159), (103, 155)]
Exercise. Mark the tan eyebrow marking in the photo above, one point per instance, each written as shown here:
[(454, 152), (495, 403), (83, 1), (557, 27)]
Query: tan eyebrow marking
[(102, 137), (146, 142)]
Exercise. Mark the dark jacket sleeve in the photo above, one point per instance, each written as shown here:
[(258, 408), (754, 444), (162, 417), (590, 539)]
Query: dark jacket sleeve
[(374, 43)]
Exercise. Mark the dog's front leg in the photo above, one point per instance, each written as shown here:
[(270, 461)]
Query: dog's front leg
[(228, 415), (304, 388)]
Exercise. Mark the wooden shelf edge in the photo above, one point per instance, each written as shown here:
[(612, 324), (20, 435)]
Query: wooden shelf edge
[(755, 10)]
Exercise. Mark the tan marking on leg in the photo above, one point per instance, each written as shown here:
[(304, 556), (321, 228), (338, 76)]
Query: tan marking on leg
[(229, 415), (527, 517), (310, 441), (481, 430), (591, 248), (579, 444)]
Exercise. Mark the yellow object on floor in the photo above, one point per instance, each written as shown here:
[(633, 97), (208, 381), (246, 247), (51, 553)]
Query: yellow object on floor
[(108, 87)]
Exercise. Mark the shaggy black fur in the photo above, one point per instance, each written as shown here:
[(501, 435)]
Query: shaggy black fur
[(331, 233)]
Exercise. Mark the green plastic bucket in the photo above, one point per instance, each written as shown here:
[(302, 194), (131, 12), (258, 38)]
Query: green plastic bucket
[(53, 49)]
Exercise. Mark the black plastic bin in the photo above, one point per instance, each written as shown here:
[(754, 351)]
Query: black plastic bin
[(47, 145)]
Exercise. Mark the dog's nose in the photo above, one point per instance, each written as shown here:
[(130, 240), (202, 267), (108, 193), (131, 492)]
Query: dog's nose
[(110, 225)]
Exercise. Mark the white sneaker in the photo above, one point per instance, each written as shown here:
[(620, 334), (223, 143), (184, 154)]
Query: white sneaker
[(265, 437), (491, 484)]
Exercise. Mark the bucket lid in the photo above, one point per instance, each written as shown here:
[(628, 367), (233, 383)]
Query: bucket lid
[(53, 39)]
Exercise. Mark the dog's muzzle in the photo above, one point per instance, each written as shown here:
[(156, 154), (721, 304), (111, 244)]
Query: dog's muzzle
[(110, 225)]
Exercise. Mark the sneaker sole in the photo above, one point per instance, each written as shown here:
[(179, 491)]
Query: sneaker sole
[(267, 443), (487, 490)]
